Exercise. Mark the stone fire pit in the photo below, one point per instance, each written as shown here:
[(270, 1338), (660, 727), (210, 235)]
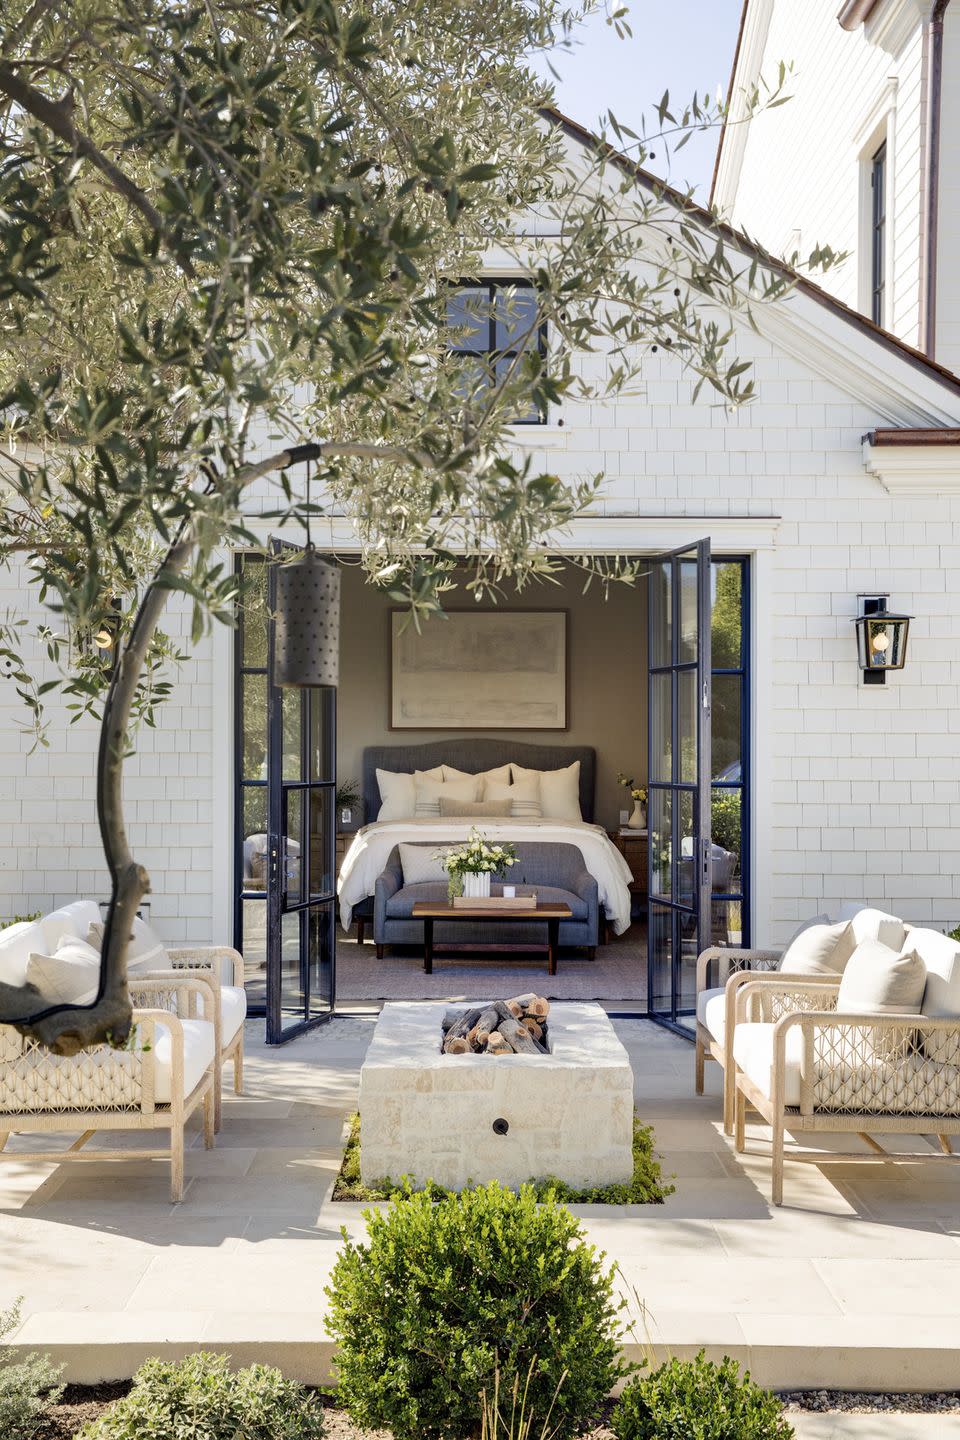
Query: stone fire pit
[(461, 1118)]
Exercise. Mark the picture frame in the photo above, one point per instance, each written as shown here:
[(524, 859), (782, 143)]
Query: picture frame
[(474, 669)]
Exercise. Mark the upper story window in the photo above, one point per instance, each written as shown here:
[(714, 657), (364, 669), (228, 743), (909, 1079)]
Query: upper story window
[(878, 233), (491, 324)]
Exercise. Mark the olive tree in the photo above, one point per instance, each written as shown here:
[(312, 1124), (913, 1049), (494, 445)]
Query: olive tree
[(222, 220)]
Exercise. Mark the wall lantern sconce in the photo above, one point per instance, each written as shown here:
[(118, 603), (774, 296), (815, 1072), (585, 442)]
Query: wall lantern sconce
[(881, 638)]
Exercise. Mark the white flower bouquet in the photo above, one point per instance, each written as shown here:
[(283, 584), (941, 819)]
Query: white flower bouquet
[(476, 857)]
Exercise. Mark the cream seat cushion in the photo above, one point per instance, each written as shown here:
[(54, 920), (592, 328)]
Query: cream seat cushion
[(753, 1053), (397, 792), (559, 790), (198, 1041), (233, 1011), (712, 1012)]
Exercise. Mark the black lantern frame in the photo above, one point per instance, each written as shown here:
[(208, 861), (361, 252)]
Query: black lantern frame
[(881, 638)]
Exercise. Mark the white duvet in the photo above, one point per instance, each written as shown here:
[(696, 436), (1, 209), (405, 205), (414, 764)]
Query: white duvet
[(368, 855)]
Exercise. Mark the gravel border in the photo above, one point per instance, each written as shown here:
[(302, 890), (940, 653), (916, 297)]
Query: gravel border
[(865, 1402)]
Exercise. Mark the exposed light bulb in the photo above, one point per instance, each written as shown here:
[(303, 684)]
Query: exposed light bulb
[(880, 641), (104, 639)]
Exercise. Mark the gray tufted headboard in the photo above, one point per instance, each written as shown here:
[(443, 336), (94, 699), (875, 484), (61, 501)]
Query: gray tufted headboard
[(472, 754)]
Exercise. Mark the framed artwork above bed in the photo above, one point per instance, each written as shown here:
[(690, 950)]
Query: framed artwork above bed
[(479, 670)]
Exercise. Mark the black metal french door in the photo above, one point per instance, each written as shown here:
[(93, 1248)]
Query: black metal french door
[(301, 869), (680, 697)]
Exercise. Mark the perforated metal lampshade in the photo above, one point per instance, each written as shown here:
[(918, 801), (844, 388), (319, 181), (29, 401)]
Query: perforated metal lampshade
[(307, 643)]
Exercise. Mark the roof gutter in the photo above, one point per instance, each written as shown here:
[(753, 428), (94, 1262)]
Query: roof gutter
[(934, 67), (854, 12)]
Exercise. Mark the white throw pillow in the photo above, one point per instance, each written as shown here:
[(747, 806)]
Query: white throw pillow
[(70, 975), (427, 794), (419, 863), (500, 774), (881, 981), (146, 950), (559, 790), (870, 924), (522, 799), (941, 997), (812, 951), (397, 797)]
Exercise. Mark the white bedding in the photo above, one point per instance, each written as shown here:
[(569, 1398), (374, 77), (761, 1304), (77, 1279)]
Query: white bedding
[(368, 855)]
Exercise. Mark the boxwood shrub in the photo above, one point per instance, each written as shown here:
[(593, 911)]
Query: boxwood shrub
[(450, 1289), (698, 1400)]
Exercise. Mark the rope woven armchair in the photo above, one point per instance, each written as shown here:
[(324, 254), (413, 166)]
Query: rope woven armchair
[(222, 967), (807, 1069), (157, 1083), (728, 969)]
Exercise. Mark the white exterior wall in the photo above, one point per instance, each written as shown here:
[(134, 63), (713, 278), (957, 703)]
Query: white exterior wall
[(793, 176), (173, 790), (856, 789)]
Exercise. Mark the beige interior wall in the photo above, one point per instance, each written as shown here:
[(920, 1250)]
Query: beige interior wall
[(606, 701)]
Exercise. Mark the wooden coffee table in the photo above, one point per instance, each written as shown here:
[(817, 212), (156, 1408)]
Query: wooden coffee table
[(552, 913)]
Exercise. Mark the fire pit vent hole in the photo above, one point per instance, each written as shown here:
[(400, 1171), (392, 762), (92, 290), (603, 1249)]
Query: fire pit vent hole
[(501, 1126)]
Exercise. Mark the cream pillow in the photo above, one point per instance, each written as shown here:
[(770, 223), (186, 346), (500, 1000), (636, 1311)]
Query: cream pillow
[(559, 790), (71, 975), (450, 808), (419, 863), (427, 794), (146, 950), (941, 996), (879, 981), (500, 774), (522, 800), (397, 797), (813, 951), (869, 924)]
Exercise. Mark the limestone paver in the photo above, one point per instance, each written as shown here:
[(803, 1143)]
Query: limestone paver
[(875, 1426), (852, 1283)]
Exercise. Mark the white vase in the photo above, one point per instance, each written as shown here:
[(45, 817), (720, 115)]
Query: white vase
[(638, 817), (476, 886)]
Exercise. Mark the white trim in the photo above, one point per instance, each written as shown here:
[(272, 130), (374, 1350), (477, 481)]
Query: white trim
[(892, 25), (733, 140), (877, 128), (537, 437), (914, 469)]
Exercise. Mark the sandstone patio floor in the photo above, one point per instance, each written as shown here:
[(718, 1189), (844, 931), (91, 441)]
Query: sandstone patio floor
[(852, 1284)]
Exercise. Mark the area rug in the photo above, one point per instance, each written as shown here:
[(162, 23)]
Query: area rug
[(618, 973)]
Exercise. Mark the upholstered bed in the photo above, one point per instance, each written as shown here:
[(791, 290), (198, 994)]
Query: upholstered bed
[(374, 846)]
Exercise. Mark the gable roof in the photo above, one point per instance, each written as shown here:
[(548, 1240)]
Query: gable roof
[(710, 221)]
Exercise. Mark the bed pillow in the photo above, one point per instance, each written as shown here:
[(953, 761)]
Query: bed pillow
[(559, 790), (500, 774), (397, 797), (71, 975), (522, 800), (427, 794), (419, 864), (146, 950), (455, 808), (816, 951)]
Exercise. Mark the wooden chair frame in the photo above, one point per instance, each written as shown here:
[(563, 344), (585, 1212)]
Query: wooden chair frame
[(209, 961), (734, 968)]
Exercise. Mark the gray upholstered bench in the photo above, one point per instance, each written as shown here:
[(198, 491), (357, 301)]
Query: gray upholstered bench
[(555, 871)]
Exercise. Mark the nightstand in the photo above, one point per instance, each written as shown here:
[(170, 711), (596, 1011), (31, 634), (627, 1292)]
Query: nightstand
[(633, 848)]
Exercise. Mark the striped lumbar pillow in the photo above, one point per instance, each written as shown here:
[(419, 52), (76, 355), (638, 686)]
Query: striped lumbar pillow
[(523, 798)]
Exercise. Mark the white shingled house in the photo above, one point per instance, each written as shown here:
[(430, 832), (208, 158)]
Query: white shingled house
[(837, 489)]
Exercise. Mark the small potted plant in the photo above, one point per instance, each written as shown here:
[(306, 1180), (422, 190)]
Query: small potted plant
[(638, 794), (470, 866)]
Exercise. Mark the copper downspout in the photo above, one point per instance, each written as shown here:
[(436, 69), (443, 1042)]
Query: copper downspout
[(932, 198)]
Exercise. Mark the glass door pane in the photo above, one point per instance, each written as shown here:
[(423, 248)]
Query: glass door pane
[(301, 787), (679, 923)]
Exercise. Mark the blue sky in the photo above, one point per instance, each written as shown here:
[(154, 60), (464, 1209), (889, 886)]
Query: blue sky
[(677, 45)]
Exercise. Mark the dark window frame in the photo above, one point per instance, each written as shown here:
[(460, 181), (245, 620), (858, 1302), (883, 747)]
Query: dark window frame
[(491, 351), (878, 232)]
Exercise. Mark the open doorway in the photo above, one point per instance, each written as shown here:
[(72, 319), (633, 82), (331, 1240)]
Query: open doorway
[(605, 711)]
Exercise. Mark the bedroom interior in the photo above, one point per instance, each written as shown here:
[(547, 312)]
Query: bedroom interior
[(567, 666)]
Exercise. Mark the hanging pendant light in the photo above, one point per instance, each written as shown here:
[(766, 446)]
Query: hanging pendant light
[(307, 620)]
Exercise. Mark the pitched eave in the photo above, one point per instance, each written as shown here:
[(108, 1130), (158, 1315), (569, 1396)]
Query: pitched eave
[(709, 219), (730, 83)]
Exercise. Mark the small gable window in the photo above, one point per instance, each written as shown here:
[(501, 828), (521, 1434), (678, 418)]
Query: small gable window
[(878, 233), (493, 325)]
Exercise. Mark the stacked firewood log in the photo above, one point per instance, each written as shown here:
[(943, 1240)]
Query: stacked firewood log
[(501, 1027)]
